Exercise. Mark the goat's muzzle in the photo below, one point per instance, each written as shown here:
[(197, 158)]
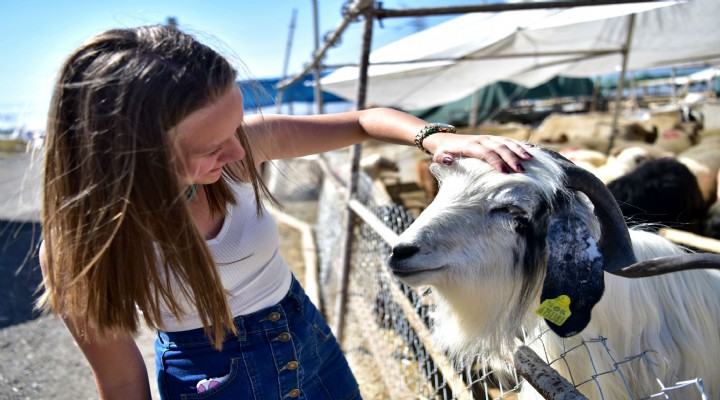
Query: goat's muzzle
[(400, 262)]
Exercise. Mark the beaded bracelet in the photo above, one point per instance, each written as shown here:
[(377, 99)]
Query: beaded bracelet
[(428, 130)]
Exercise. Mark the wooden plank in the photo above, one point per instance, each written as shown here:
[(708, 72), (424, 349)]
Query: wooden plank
[(684, 238), (546, 380)]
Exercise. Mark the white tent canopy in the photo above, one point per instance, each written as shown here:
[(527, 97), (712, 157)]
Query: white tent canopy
[(528, 47)]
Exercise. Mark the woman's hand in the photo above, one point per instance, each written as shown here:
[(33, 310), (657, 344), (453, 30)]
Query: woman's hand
[(504, 154)]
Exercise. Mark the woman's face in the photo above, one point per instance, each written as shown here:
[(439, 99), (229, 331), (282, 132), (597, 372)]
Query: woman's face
[(206, 139)]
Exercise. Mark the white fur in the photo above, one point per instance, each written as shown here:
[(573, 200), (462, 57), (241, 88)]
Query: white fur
[(468, 253)]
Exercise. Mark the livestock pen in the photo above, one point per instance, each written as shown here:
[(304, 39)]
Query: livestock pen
[(385, 328)]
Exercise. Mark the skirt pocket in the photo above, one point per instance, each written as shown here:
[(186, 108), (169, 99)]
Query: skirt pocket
[(226, 387)]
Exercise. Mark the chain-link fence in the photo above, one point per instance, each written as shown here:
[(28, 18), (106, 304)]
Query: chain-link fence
[(387, 322)]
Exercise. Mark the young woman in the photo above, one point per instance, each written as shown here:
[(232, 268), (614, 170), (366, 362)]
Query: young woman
[(152, 209)]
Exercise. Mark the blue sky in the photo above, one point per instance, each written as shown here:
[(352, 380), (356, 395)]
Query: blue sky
[(36, 36)]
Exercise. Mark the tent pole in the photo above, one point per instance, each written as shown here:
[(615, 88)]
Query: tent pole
[(288, 47), (673, 88), (381, 13), (596, 93), (474, 105), (319, 106), (349, 223), (621, 83)]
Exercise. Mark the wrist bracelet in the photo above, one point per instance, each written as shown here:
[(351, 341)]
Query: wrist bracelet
[(428, 130)]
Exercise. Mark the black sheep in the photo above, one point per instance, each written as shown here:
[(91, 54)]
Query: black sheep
[(660, 192)]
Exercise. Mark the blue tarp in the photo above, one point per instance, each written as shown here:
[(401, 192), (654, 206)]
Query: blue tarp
[(263, 92)]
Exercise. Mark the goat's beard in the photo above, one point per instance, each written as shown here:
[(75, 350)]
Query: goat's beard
[(488, 330)]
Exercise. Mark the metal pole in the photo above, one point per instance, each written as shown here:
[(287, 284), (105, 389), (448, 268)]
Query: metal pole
[(288, 47), (381, 13), (474, 105), (319, 108), (621, 83), (673, 88), (581, 56), (340, 305)]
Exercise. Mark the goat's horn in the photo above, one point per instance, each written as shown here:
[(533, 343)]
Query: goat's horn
[(615, 244), (665, 265)]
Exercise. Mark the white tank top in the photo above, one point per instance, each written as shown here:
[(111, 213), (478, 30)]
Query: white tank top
[(248, 260)]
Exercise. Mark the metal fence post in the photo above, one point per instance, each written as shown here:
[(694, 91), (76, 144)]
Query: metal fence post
[(339, 323)]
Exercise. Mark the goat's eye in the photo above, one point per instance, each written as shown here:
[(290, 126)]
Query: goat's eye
[(508, 210), (514, 216)]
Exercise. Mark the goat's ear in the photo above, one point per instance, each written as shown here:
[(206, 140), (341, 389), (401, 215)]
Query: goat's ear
[(574, 275)]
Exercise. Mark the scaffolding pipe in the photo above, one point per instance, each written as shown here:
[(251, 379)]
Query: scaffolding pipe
[(621, 83), (288, 48), (340, 305), (319, 107), (381, 13), (582, 55)]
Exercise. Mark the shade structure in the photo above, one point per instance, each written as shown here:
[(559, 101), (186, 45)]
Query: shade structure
[(529, 47)]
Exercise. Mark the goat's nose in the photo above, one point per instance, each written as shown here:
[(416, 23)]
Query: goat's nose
[(404, 250)]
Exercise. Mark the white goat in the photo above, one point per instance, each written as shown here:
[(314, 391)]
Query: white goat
[(493, 246)]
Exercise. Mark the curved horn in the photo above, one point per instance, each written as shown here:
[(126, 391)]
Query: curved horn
[(665, 265), (615, 244)]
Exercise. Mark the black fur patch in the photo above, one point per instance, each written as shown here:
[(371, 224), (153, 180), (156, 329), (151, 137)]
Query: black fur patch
[(533, 231), (574, 269)]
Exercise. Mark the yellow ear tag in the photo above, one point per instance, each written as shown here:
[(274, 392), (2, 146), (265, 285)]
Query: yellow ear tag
[(555, 310)]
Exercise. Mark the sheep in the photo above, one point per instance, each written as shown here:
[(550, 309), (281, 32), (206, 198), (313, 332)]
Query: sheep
[(593, 129), (703, 160), (660, 192), (622, 162), (493, 246), (375, 164)]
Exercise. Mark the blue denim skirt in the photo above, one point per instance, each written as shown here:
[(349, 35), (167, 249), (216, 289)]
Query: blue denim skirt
[(286, 351)]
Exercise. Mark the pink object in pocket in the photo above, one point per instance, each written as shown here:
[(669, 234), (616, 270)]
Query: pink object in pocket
[(207, 384)]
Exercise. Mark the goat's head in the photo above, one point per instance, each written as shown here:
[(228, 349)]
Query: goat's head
[(504, 239), (496, 234)]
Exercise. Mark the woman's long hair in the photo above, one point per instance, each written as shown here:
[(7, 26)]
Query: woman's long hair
[(117, 232)]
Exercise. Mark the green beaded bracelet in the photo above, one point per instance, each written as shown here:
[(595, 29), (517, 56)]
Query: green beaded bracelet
[(428, 130)]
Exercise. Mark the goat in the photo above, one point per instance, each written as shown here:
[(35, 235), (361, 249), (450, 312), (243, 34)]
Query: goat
[(495, 246)]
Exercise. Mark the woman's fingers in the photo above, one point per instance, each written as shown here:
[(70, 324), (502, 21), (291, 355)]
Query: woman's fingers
[(503, 154)]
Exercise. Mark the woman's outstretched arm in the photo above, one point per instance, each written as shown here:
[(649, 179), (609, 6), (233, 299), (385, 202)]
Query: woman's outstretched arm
[(284, 136)]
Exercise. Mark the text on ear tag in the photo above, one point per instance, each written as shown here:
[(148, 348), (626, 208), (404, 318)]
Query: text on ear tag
[(555, 310)]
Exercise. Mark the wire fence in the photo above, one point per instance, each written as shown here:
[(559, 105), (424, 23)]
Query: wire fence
[(389, 323)]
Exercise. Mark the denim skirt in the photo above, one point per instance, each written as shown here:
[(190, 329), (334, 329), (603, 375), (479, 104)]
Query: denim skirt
[(286, 351)]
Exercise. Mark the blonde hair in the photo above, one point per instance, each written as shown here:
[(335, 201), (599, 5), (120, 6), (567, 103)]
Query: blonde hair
[(117, 231)]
